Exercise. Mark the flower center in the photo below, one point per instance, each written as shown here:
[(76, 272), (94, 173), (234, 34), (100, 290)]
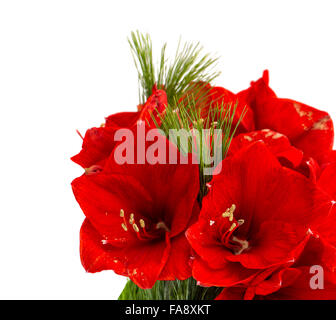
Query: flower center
[(144, 230), (229, 227)]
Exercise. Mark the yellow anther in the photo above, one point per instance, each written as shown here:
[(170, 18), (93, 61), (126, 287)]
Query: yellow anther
[(135, 227), (232, 226), (124, 226), (226, 214), (142, 223), (131, 219), (229, 213), (122, 213), (233, 208)]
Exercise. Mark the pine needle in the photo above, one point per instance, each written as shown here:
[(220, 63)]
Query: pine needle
[(186, 116), (189, 65), (169, 290)]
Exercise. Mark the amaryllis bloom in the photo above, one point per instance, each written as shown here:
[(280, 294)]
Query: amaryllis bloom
[(136, 218), (256, 216), (99, 142), (308, 129), (297, 281)]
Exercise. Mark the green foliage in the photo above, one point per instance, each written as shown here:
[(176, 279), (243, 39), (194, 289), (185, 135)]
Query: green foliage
[(169, 290), (189, 65)]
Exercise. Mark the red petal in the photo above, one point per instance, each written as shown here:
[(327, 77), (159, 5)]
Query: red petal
[(97, 145), (122, 119), (93, 255), (301, 290), (258, 92), (232, 293), (320, 250), (229, 275), (101, 197), (280, 279), (178, 264), (276, 142), (327, 180), (142, 262), (155, 106), (328, 158), (205, 243), (309, 168)]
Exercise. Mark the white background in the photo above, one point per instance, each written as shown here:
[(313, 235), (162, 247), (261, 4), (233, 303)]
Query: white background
[(65, 65)]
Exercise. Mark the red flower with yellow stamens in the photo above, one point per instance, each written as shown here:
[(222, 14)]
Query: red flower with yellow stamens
[(256, 216), (136, 217)]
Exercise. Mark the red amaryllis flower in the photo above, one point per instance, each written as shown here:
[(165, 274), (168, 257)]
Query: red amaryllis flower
[(136, 217), (98, 143), (256, 216), (308, 129), (293, 282)]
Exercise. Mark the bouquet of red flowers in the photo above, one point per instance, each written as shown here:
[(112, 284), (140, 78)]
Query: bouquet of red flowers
[(206, 194)]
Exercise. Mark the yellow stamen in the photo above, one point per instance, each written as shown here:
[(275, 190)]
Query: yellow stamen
[(232, 226), (131, 220), (124, 226), (122, 213), (226, 214), (229, 213), (135, 227), (233, 208), (142, 223)]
